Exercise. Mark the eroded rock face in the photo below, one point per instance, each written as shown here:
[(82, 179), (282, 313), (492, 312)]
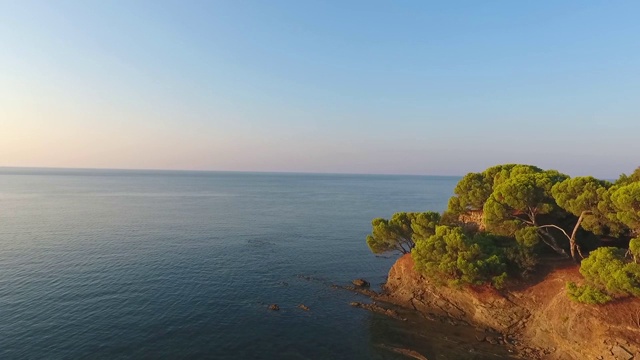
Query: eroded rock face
[(482, 306), (473, 220), (540, 315)]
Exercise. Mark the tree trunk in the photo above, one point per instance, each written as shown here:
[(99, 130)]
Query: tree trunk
[(572, 240), (573, 246)]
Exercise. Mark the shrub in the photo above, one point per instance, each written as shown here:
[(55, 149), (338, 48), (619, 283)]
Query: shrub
[(450, 255), (587, 294), (608, 276), (522, 260), (607, 269), (523, 254)]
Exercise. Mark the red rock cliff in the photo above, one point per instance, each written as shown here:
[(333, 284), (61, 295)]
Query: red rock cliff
[(541, 314)]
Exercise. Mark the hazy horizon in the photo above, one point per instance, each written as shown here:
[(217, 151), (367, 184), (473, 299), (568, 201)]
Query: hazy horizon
[(88, 169), (155, 170), (418, 88)]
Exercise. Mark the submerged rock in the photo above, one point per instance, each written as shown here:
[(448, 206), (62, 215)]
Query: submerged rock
[(274, 307), (361, 283), (378, 309), (303, 307), (358, 289)]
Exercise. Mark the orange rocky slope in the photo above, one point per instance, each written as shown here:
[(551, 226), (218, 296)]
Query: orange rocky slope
[(540, 315)]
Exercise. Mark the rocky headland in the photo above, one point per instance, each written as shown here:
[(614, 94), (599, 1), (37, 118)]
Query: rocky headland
[(538, 319)]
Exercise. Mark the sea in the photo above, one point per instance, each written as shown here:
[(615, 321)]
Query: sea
[(124, 264)]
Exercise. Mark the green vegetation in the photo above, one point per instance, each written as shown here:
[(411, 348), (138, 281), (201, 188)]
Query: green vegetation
[(626, 179), (607, 270), (521, 199), (587, 294), (634, 249), (526, 213), (626, 199), (451, 255), (399, 232)]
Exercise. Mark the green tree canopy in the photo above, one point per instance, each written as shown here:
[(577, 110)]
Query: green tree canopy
[(502, 173), (470, 193), (424, 224), (626, 200), (634, 249), (451, 255), (473, 190), (580, 196), (606, 269), (520, 200), (398, 233), (625, 179), (523, 198), (607, 213)]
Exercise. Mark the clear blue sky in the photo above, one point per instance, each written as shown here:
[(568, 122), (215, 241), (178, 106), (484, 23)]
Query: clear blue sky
[(413, 87)]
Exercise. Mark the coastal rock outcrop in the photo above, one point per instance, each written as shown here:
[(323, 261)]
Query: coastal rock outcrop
[(361, 283), (539, 315), (378, 309)]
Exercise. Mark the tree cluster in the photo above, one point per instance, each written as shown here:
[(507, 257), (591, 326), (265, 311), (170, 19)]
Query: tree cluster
[(526, 212)]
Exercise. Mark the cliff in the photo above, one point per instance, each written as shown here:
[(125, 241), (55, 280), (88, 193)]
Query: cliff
[(539, 315)]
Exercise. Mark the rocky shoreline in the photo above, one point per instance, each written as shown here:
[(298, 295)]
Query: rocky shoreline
[(536, 322), (382, 304)]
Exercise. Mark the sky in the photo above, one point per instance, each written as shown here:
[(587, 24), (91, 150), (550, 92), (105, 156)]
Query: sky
[(385, 87)]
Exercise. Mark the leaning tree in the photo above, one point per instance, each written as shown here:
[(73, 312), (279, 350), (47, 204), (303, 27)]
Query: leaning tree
[(401, 231)]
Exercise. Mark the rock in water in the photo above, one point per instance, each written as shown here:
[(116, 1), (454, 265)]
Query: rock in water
[(361, 283), (303, 307), (378, 309), (274, 307)]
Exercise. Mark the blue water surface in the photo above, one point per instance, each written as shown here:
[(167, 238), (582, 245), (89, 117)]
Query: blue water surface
[(147, 264)]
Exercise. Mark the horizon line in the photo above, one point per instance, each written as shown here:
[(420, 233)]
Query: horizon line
[(210, 171)]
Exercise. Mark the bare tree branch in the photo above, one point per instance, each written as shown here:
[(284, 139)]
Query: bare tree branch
[(556, 227)]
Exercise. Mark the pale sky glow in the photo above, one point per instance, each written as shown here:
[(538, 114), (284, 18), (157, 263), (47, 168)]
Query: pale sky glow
[(412, 87)]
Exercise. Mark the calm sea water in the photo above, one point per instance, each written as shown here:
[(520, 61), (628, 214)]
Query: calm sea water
[(133, 264)]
